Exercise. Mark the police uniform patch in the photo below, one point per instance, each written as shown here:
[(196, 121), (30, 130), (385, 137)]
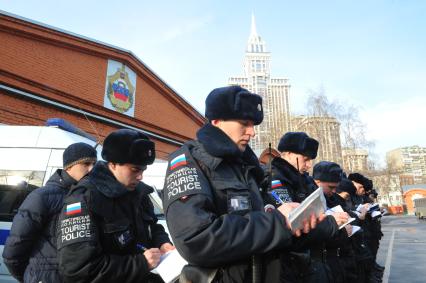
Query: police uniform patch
[(275, 184), (283, 195), (74, 208), (184, 178), (75, 224), (178, 161)]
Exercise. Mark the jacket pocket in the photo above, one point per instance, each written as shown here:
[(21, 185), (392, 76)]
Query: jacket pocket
[(237, 195), (119, 234)]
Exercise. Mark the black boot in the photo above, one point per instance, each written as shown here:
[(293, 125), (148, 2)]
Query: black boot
[(378, 267)]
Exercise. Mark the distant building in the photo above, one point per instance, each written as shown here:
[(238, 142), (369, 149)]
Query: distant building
[(275, 91), (326, 130), (354, 160), (406, 180), (388, 189), (410, 160)]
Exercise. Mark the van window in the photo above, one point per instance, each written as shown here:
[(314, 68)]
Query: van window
[(14, 177), (11, 198)]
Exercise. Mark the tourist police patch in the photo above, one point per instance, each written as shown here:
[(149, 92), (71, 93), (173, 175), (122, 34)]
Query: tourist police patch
[(183, 178), (75, 224), (283, 195), (74, 208), (178, 161), (276, 184)]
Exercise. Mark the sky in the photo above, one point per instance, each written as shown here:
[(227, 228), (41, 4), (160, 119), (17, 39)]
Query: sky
[(371, 54)]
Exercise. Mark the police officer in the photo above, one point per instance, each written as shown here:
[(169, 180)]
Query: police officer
[(212, 203), (290, 179), (30, 250), (371, 225), (107, 230), (291, 183), (340, 255)]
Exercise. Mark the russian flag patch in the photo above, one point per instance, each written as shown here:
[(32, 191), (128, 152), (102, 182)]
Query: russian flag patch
[(73, 208), (276, 184), (180, 160)]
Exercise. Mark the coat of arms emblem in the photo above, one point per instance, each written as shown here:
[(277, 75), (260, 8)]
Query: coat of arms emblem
[(120, 90)]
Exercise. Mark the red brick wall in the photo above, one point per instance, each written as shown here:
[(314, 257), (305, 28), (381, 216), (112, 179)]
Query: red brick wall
[(72, 71)]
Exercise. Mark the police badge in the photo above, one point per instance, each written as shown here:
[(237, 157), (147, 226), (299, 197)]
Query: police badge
[(124, 238)]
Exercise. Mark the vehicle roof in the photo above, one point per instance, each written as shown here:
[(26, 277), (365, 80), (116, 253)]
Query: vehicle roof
[(38, 136)]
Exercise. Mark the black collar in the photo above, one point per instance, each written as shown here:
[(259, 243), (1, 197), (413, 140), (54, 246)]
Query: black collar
[(218, 144), (108, 185), (286, 171)]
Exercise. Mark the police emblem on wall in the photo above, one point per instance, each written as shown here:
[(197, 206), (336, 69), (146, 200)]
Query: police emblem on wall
[(120, 88)]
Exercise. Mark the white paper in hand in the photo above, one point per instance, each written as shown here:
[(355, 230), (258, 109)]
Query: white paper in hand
[(355, 229), (170, 266), (338, 208), (376, 213), (314, 204)]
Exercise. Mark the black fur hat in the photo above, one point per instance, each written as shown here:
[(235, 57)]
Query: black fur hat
[(76, 153), (356, 177), (234, 102), (327, 171), (299, 142), (346, 185), (368, 185), (128, 146)]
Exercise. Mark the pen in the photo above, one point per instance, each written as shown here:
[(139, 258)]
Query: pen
[(276, 197), (141, 247)]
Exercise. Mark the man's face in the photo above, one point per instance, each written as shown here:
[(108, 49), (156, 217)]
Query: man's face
[(346, 196), (79, 170), (328, 187), (239, 131), (298, 161), (129, 175), (359, 188)]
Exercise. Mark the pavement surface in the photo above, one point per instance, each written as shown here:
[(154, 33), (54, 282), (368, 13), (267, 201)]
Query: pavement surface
[(403, 249)]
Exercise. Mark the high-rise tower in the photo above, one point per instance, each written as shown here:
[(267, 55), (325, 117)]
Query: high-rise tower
[(274, 91)]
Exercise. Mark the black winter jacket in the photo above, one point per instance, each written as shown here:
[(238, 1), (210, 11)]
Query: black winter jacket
[(213, 206), (298, 263), (291, 186), (30, 250), (102, 229)]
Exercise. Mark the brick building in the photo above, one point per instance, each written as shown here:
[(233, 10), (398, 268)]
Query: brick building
[(326, 130), (355, 159), (47, 72)]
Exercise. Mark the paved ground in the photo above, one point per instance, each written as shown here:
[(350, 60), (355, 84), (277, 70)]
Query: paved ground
[(403, 249)]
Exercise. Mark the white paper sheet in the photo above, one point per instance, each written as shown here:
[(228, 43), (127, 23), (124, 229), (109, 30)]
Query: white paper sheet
[(355, 229), (170, 266), (338, 208)]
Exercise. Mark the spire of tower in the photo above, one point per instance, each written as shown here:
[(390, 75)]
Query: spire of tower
[(255, 43), (253, 32)]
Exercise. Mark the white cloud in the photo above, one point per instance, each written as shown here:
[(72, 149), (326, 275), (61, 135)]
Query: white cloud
[(396, 124)]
